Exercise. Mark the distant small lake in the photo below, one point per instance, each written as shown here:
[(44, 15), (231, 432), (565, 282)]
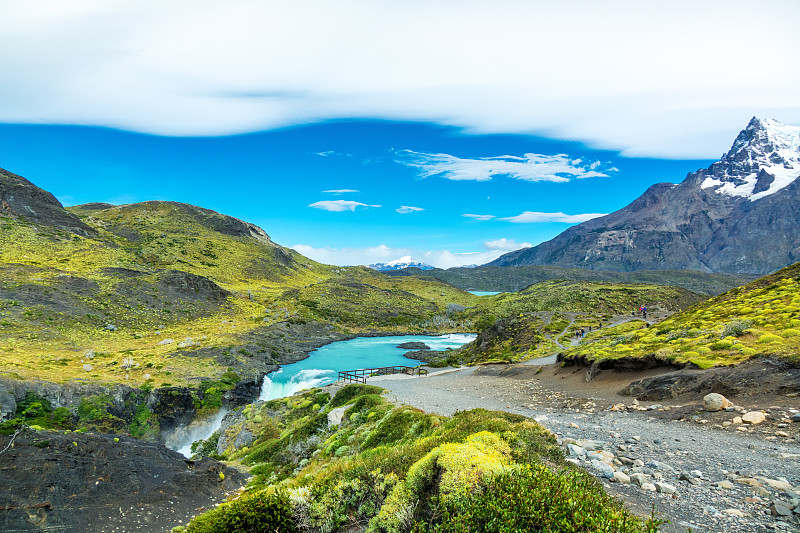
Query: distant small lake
[(483, 293), (323, 364)]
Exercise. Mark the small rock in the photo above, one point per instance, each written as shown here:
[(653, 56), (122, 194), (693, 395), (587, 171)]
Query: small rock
[(796, 418), (605, 469), (747, 481), (779, 509), (683, 476), (776, 484), (781, 434), (576, 451), (696, 473), (165, 342), (754, 417), (638, 479), (734, 512), (621, 477), (715, 402), (87, 367), (725, 484), (710, 510), (649, 487), (665, 488), (89, 354), (736, 420), (111, 327)]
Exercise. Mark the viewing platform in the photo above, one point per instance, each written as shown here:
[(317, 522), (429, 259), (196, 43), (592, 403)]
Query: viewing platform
[(360, 375)]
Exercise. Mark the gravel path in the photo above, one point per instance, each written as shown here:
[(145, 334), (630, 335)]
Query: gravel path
[(756, 471)]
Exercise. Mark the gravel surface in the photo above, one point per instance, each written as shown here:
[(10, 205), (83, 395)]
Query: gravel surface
[(762, 475)]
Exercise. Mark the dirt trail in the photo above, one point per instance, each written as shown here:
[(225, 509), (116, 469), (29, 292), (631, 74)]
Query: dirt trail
[(561, 400)]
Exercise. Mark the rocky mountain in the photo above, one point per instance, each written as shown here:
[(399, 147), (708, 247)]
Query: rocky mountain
[(739, 215), (20, 198)]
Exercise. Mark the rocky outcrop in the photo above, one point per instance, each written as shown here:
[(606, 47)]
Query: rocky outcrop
[(740, 215), (21, 198), (86, 482)]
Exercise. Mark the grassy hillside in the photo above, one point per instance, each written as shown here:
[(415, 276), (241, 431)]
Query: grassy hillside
[(155, 284), (757, 320), (395, 469), (539, 320), (511, 279)]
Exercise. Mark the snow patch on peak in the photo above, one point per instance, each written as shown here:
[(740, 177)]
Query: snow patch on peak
[(764, 159)]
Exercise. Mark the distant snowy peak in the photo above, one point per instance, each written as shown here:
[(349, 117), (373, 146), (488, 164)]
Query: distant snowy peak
[(399, 264), (764, 159)]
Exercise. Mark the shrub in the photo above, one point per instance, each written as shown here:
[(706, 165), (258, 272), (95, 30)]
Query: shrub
[(349, 392), (790, 333), (251, 513), (737, 328), (768, 338)]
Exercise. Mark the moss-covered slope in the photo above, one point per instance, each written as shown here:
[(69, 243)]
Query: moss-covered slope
[(395, 469), (759, 319)]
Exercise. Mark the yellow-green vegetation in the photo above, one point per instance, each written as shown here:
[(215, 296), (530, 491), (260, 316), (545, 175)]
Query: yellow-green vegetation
[(159, 281), (586, 296), (758, 320), (393, 469)]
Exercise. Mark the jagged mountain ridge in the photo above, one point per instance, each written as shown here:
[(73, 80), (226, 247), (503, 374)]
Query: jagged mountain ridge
[(740, 215), (399, 264)]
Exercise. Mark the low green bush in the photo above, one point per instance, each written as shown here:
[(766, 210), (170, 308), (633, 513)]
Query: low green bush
[(251, 513)]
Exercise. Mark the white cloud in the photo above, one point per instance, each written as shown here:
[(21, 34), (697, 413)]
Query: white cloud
[(530, 167), (341, 191), (478, 217), (384, 254), (649, 79), (403, 209), (339, 205), (536, 216), (506, 245)]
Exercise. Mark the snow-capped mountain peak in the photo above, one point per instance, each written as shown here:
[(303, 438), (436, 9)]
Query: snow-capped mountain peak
[(764, 159), (399, 264)]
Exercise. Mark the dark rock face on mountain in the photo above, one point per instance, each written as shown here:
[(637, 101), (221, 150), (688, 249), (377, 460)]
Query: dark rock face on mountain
[(740, 215), (21, 198)]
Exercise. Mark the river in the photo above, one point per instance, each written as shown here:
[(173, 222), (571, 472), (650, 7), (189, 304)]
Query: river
[(321, 368)]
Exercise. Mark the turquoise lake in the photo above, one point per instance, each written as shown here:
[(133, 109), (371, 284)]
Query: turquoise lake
[(483, 293), (323, 364)]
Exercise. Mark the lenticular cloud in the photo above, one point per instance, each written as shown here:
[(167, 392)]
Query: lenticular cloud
[(530, 167)]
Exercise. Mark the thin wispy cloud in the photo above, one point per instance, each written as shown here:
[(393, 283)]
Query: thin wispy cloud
[(341, 191), (478, 217), (619, 82), (339, 205), (530, 167), (506, 245), (537, 216), (403, 209), (331, 153)]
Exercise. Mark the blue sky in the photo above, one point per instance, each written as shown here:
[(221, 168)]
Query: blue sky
[(365, 131)]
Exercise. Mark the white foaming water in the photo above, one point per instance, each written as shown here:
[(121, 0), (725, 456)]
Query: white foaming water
[(321, 368), (275, 387), (182, 438)]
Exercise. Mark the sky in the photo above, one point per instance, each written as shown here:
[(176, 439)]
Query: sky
[(356, 132)]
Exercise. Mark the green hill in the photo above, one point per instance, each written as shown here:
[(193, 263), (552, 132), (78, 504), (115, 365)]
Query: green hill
[(166, 292), (511, 279), (761, 319)]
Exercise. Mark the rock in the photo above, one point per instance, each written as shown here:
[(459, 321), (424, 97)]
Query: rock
[(683, 476), (776, 484), (736, 420), (638, 479), (725, 484), (715, 402), (165, 342), (590, 445), (575, 450), (111, 327), (747, 481), (600, 455), (87, 367), (605, 469), (649, 487), (335, 416), (754, 417), (734, 512), (187, 343), (696, 473), (665, 488), (779, 509), (796, 417), (621, 477), (414, 346), (710, 509), (89, 354)]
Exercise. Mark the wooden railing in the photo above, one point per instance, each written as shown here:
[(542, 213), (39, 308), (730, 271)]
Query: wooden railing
[(360, 375)]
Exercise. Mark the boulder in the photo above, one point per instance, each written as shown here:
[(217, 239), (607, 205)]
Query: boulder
[(715, 402), (754, 417)]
